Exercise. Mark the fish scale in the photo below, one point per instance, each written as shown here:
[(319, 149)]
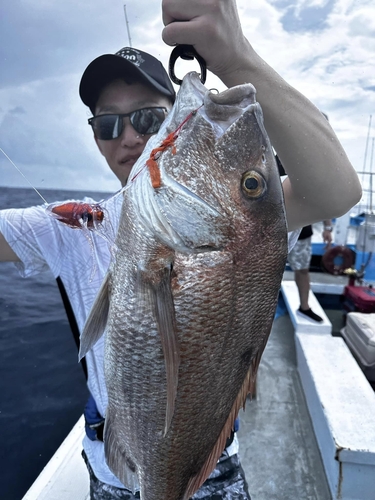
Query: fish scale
[(189, 300)]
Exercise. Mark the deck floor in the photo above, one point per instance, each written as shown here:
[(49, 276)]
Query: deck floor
[(278, 449)]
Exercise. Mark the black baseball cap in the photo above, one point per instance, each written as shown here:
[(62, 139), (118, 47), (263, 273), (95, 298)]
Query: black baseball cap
[(127, 61)]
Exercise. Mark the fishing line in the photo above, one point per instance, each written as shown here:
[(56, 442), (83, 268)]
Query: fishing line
[(23, 175)]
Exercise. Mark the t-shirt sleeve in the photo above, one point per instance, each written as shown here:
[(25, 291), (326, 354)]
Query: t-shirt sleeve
[(35, 237)]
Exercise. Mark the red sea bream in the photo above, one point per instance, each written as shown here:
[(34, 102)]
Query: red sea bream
[(188, 303)]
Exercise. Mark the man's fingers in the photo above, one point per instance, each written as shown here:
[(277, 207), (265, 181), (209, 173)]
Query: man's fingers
[(173, 33), (182, 10), (182, 32), (212, 27)]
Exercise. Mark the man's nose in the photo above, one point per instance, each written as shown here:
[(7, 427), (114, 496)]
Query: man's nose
[(129, 136)]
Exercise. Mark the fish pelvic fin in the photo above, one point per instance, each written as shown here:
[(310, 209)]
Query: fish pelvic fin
[(247, 387), (97, 319), (163, 305), (118, 461)]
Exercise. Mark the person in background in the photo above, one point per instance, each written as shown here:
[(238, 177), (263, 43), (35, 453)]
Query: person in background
[(129, 94), (299, 260)]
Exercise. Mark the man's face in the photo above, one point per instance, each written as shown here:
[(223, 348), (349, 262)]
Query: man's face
[(119, 97)]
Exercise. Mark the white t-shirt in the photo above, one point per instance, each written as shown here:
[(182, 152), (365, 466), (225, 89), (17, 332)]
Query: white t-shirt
[(81, 259)]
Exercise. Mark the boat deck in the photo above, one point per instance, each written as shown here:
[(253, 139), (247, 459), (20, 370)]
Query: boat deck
[(278, 449)]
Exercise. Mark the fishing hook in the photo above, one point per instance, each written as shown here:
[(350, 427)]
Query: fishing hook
[(188, 53)]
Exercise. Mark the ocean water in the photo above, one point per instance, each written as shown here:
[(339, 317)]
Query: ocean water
[(42, 386)]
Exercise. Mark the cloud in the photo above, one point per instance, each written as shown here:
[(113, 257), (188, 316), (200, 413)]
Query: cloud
[(325, 49), (302, 17), (18, 110)]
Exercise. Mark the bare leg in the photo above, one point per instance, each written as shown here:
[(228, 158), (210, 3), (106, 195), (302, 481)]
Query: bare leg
[(302, 279)]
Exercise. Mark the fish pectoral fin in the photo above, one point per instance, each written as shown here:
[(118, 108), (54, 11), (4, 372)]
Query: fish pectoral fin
[(166, 320), (163, 305), (97, 319), (118, 461)]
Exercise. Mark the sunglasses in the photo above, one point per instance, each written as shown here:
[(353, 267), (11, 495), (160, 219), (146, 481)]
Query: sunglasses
[(144, 121)]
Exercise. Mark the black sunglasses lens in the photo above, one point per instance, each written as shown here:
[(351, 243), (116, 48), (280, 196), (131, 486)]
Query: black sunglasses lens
[(107, 127), (148, 120), (144, 121)]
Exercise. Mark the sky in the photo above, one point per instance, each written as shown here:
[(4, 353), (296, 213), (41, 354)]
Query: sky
[(324, 48)]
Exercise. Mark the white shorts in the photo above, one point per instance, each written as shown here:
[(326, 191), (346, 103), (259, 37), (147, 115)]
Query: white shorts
[(300, 256)]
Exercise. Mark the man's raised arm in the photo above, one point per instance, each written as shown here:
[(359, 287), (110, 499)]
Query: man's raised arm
[(6, 253), (321, 184)]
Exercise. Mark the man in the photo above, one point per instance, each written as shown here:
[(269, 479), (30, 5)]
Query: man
[(120, 87), (299, 260)]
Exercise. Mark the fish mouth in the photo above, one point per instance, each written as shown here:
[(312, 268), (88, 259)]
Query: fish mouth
[(222, 109)]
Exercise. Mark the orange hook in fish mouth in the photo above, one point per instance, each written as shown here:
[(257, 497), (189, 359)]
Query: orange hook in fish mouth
[(167, 143)]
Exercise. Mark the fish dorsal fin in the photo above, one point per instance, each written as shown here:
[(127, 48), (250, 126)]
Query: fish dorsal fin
[(161, 295), (247, 387), (97, 319)]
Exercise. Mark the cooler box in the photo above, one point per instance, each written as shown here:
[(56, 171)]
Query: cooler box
[(359, 299), (359, 334)]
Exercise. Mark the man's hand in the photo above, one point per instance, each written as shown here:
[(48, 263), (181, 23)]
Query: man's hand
[(6, 253), (212, 27), (327, 237), (305, 142)]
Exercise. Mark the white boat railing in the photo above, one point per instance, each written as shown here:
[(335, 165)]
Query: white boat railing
[(340, 400), (65, 477)]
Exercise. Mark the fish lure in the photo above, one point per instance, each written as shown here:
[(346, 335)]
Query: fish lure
[(77, 214)]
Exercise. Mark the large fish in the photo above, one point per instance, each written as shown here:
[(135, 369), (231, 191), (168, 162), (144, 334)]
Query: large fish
[(189, 300)]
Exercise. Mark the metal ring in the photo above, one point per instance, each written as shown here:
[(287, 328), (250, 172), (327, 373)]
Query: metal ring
[(188, 53)]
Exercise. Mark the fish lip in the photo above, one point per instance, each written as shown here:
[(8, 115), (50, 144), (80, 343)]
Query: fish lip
[(221, 126)]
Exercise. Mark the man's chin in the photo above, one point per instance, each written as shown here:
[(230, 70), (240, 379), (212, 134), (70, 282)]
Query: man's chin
[(123, 176)]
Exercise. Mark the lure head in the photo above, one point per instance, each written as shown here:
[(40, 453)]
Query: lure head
[(77, 215)]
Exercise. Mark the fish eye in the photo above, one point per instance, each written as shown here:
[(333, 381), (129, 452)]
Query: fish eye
[(253, 184), (86, 216)]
